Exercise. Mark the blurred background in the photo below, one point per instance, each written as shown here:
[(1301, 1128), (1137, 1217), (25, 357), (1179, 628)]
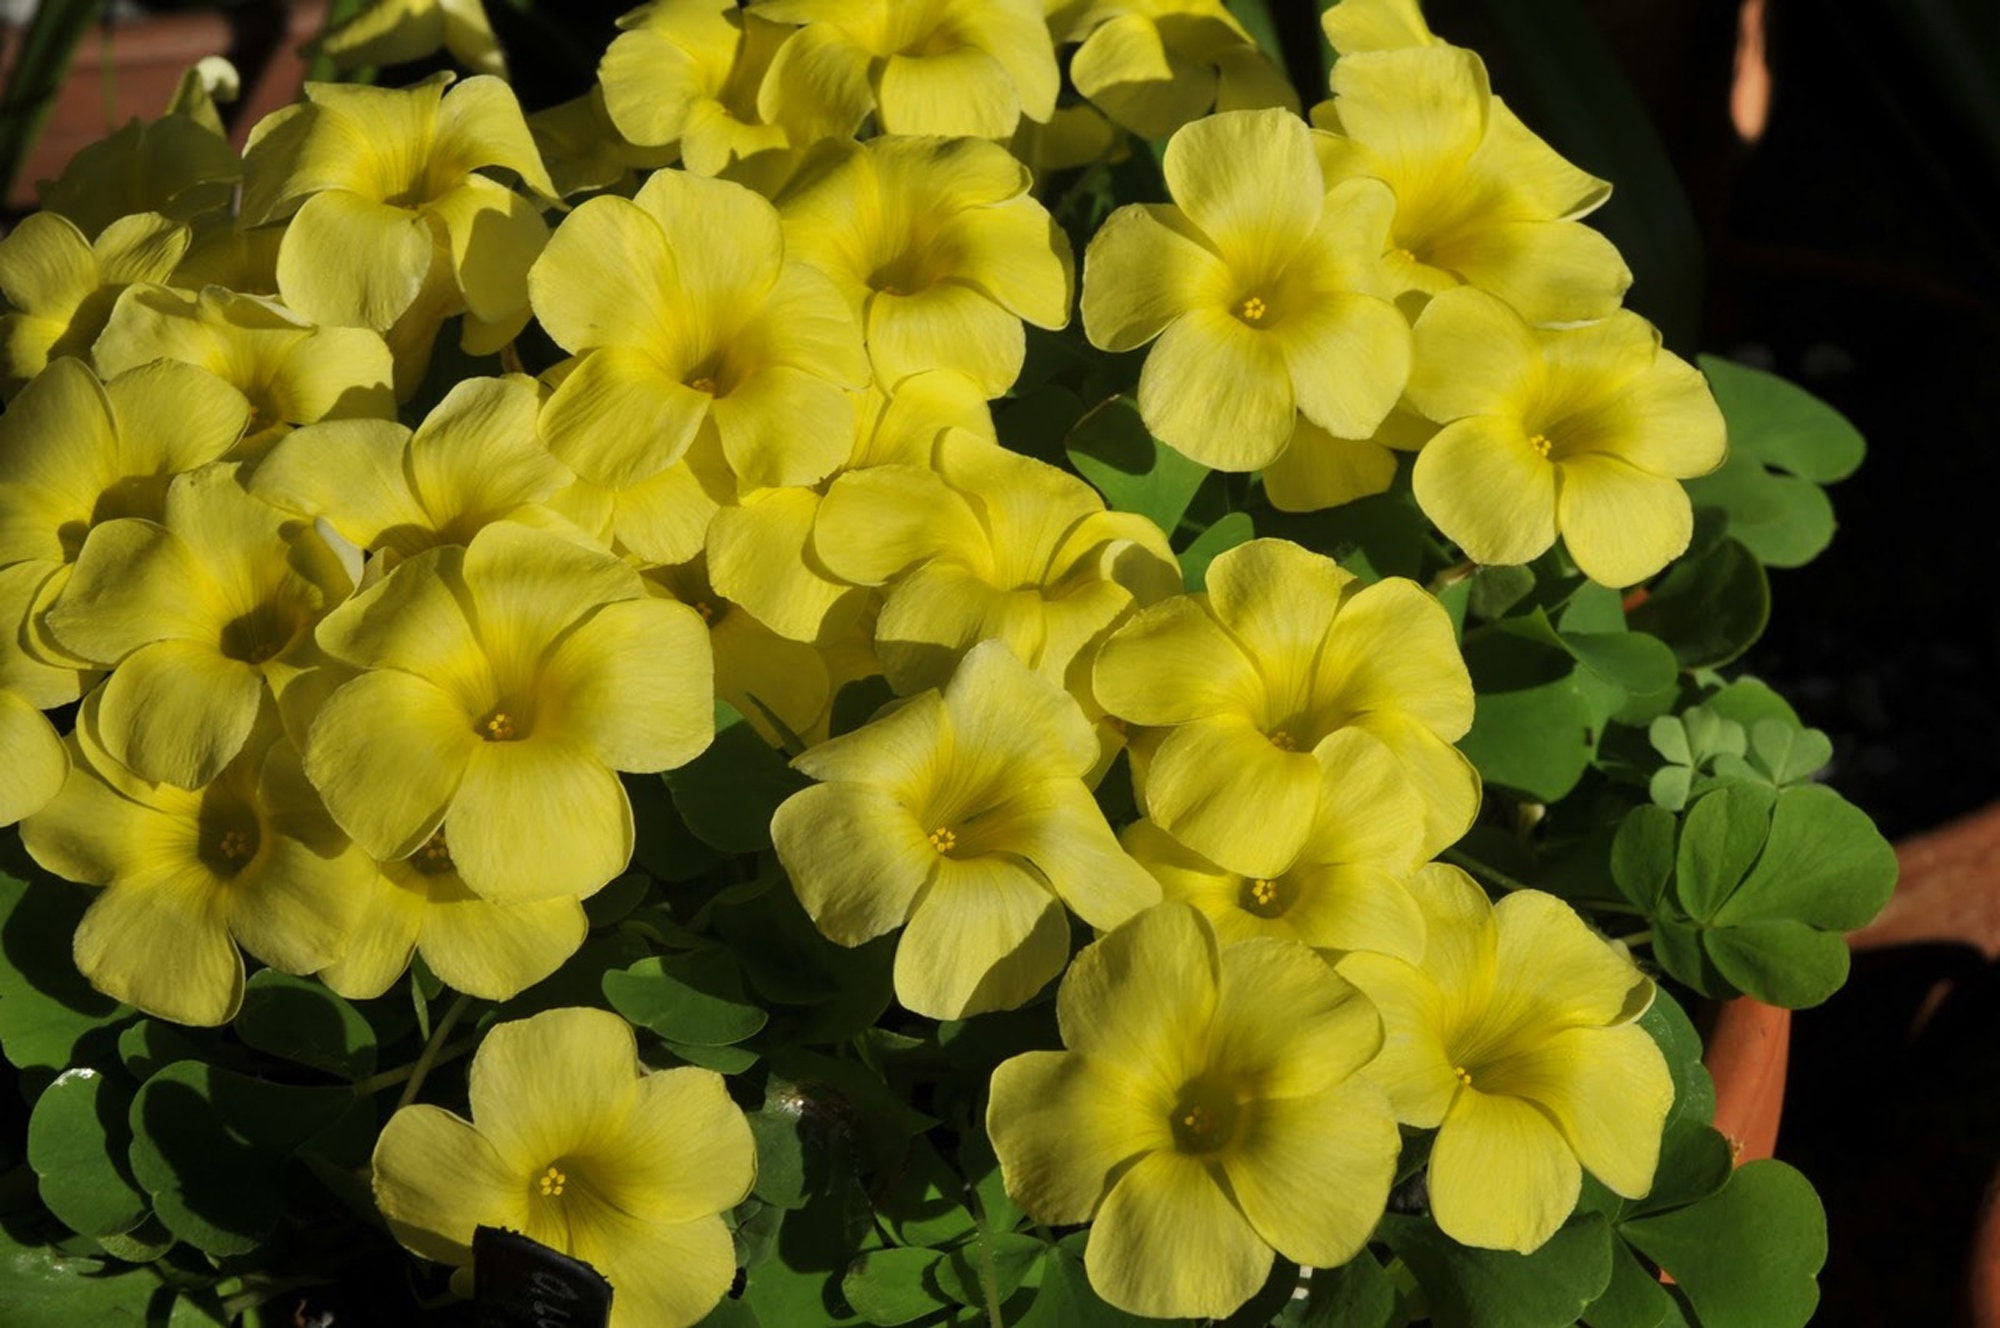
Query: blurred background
[(1810, 186)]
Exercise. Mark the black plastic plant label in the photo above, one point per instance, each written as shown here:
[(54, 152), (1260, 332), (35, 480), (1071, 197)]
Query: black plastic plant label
[(522, 1283)]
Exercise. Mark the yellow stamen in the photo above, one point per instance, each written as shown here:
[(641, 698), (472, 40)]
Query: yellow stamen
[(705, 609), (1464, 1075), (703, 384), (1282, 741), (237, 845), (1263, 891), (943, 840), (1540, 442), (1403, 254), (1254, 309), (498, 727), (552, 1182)]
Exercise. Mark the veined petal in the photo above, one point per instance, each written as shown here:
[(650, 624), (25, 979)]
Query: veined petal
[(757, 557), (1609, 1092), (1127, 70), (784, 426), (607, 278), (1663, 420), (1062, 1125), (350, 262), (1317, 470), (962, 93), (387, 752), (986, 935), (1313, 1174), (900, 751), (36, 763), (1018, 256), (478, 452), (1392, 651), (1348, 356), (496, 951), (135, 582), (1286, 1024), (1058, 828), (1501, 1175), (1168, 1242), (530, 586), (558, 1082), (1250, 181), (620, 417), (1422, 109), (856, 857), (176, 911), (179, 711), (945, 326), (382, 936), (1351, 906), (1173, 663), (685, 1152), (634, 682), (875, 524), (292, 906), (1278, 600), (174, 417), (1489, 490), (1413, 1067), (1551, 972), (1141, 998), (1550, 271), (726, 242), (495, 236), (1474, 356), (660, 1272), (437, 1179), (1620, 523), (536, 819), (1218, 390), (479, 123), (1145, 267)]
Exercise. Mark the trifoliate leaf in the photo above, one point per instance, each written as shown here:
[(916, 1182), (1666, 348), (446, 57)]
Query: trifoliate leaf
[(1748, 1255), (1135, 472), (1784, 443)]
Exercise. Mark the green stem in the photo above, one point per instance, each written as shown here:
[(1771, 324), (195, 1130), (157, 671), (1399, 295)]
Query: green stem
[(1493, 875), (429, 1056), (375, 1083), (1638, 938)]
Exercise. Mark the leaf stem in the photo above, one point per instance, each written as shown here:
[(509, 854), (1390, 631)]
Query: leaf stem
[(428, 1058), (1638, 938), (1460, 858), (375, 1083)]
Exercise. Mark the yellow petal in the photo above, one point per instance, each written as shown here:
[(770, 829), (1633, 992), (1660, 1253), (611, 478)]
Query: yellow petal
[(529, 586), (1501, 1176), (1314, 1175), (36, 760), (1348, 356), (1286, 1025), (945, 326), (1218, 391), (1474, 356), (634, 683), (1550, 271), (437, 1179), (1136, 79), (496, 951), (495, 236), (179, 912), (685, 1151), (376, 950), (1551, 972), (784, 426), (179, 711), (662, 1274), (986, 935), (1173, 663), (725, 239), (957, 93), (1250, 182), (856, 858), (1421, 109), (1489, 490), (1620, 523), (387, 751), (134, 583), (1392, 650), (620, 417), (538, 818), (351, 262), (542, 1086), (1059, 830), (1062, 1124), (479, 124), (607, 278), (757, 557), (875, 524), (1609, 1092), (1375, 25), (1145, 267), (1143, 995), (1221, 788), (1168, 1242)]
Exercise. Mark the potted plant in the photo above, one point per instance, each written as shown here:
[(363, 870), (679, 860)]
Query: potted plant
[(946, 667)]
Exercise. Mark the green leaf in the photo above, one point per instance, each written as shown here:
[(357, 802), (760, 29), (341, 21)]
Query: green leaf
[(1669, 737), (1783, 444), (299, 1020), (78, 1137), (47, 1008), (1011, 1254), (1532, 728), (149, 1045), (209, 1145), (1824, 863), (1642, 855), (1230, 530), (1694, 1092), (1747, 1256), (1709, 609), (1498, 589), (1784, 962), (892, 1287), (727, 794), (1634, 1299), (1669, 787), (926, 1205), (1789, 754), (694, 998), (1631, 661), (781, 1156), (1135, 471), (1066, 1300), (1748, 702), (42, 1288), (1473, 1288), (1358, 1294), (1720, 839)]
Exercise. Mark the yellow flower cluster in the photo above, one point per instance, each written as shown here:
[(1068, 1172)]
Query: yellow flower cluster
[(356, 684)]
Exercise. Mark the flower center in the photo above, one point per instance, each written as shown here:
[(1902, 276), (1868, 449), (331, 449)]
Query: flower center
[(1254, 309), (1205, 1117), (703, 384), (1402, 253), (1264, 897), (1540, 442), (434, 858), (943, 839), (1282, 740), (236, 845), (499, 727), (552, 1182), (1463, 1075)]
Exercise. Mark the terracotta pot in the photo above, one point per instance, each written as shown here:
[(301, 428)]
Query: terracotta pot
[(132, 68), (1747, 1052)]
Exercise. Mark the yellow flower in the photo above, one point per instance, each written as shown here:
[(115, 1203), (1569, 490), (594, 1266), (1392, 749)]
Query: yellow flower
[(1583, 432), (391, 225), (963, 814), (584, 150), (1155, 65), (760, 547), (686, 314), (1255, 678), (1317, 470), (58, 287), (478, 946), (760, 673), (1266, 291), (1206, 1113), (36, 762), (506, 682), (988, 544), (1353, 26), (288, 370), (1514, 1037), (1345, 890), (251, 859), (574, 1145), (939, 249), (1480, 200), (687, 72), (394, 32), (474, 460), (951, 67), (201, 616)]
